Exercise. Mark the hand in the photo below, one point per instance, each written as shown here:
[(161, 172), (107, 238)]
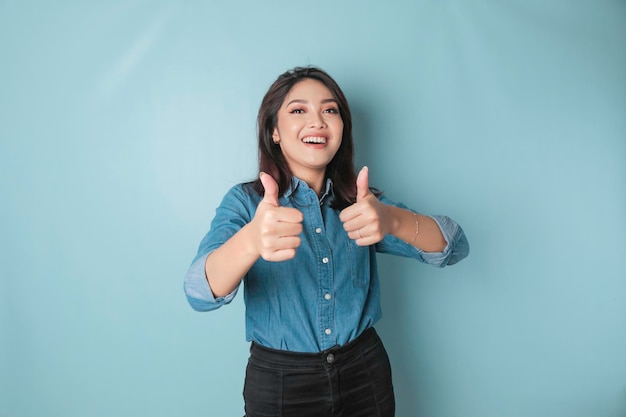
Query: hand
[(366, 221), (276, 228)]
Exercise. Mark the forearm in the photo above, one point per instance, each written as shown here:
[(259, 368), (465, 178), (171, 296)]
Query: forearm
[(404, 227), (227, 265)]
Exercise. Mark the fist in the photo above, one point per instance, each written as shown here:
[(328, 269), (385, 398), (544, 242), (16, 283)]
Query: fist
[(365, 221), (276, 229)]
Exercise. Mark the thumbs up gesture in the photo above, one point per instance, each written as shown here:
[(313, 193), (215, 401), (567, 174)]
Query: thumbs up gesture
[(367, 220), (276, 228)]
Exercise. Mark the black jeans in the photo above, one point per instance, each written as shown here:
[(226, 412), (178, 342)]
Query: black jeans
[(353, 380)]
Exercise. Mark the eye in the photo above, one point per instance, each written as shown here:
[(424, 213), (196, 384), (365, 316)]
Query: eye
[(296, 111), (332, 110)]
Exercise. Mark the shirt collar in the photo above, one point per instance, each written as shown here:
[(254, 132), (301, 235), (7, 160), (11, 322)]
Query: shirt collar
[(330, 191), (297, 183)]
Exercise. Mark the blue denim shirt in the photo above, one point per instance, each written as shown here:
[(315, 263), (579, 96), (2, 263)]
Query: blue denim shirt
[(329, 293)]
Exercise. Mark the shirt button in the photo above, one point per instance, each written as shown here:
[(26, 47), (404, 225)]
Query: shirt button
[(327, 296), (328, 331), (318, 230), (330, 358), (325, 260)]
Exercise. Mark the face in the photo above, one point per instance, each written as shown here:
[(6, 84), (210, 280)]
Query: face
[(309, 129)]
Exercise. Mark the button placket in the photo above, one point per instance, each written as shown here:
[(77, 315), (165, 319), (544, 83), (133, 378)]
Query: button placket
[(324, 253)]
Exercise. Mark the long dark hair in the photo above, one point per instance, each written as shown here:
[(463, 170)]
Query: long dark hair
[(271, 159)]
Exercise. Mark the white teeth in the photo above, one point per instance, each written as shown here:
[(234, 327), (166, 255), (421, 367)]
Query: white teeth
[(313, 139)]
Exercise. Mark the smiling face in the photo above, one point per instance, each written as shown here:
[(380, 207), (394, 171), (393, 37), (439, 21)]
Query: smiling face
[(309, 130)]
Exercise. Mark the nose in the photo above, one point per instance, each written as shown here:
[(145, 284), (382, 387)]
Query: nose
[(317, 121)]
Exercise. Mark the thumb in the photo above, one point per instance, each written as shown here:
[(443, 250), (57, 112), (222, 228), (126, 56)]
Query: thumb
[(271, 189), (362, 184)]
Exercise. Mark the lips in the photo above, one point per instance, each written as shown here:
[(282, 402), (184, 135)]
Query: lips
[(318, 140)]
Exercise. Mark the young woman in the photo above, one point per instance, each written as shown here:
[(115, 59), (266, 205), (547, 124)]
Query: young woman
[(303, 239)]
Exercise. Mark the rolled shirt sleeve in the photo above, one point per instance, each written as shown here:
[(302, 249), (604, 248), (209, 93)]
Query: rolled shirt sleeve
[(457, 246), (232, 214), (198, 291)]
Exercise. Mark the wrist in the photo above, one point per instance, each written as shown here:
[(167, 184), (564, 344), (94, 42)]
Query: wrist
[(417, 228), (405, 225), (395, 215), (251, 241)]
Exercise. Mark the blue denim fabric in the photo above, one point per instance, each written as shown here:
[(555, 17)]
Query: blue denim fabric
[(329, 293)]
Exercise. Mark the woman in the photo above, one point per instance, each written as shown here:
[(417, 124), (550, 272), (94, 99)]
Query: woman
[(303, 239)]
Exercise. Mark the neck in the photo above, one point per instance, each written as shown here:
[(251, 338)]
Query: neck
[(315, 180)]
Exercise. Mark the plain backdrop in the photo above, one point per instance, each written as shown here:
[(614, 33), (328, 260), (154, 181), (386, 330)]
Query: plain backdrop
[(123, 123)]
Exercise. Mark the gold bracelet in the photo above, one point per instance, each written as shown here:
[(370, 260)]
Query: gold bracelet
[(417, 228)]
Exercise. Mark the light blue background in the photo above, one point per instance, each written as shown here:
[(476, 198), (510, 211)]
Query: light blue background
[(122, 124)]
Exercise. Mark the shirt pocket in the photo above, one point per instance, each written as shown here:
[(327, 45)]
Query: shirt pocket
[(359, 260)]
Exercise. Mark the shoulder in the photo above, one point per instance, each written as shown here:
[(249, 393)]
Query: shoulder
[(240, 201), (242, 194)]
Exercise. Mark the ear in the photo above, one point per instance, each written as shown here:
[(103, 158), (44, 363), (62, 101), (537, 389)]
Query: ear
[(276, 136)]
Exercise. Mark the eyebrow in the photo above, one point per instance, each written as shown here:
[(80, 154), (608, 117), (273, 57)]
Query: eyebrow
[(326, 100)]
